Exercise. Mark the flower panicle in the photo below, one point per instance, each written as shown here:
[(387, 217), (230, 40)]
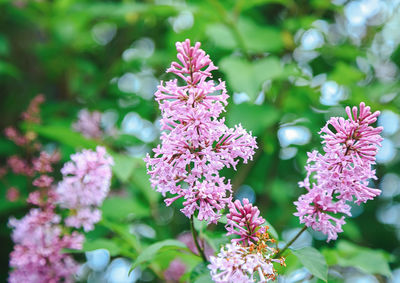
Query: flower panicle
[(341, 174), (195, 142)]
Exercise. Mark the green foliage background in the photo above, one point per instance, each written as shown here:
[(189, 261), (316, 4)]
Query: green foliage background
[(48, 47)]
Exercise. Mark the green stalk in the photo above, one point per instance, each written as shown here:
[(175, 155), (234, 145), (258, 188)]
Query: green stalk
[(290, 242), (201, 252)]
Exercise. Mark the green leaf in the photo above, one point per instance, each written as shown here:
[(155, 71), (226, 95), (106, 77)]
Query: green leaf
[(63, 135), (124, 166), (314, 261), (257, 38), (151, 251), (260, 38), (109, 245), (123, 231), (251, 3), (117, 208), (9, 70), (346, 74), (367, 260), (255, 118), (215, 239), (141, 180), (4, 45), (248, 77), (223, 219), (199, 225), (221, 36), (200, 274)]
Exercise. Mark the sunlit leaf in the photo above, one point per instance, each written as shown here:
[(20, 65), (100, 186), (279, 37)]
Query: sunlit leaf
[(151, 251), (314, 261)]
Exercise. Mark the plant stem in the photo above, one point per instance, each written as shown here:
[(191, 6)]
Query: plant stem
[(201, 252), (230, 23), (291, 242)]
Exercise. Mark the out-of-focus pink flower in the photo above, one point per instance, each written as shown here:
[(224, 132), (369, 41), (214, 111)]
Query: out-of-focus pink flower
[(244, 221), (3, 172), (174, 271), (342, 173), (43, 181), (196, 144), (37, 255), (32, 114), (88, 124), (188, 240), (20, 166), (85, 184), (84, 217), (12, 194), (12, 134), (43, 163)]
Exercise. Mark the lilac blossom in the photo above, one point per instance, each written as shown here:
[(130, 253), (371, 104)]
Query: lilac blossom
[(85, 184), (12, 194), (32, 114), (196, 143), (175, 271), (88, 124), (244, 221), (37, 256), (342, 173), (237, 263)]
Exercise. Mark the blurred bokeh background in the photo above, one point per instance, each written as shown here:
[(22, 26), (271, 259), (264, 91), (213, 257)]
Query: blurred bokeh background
[(289, 66)]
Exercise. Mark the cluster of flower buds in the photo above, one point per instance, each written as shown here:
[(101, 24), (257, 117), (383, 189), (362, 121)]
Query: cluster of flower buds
[(248, 258), (340, 175), (196, 144)]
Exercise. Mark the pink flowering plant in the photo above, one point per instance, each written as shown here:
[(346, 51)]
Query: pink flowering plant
[(196, 145), (342, 173), (96, 211)]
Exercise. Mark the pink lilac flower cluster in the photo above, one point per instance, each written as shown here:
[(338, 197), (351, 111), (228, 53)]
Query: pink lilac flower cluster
[(37, 256), (342, 173), (37, 167), (237, 263), (32, 114), (28, 164), (244, 221), (196, 144), (248, 258), (40, 236), (88, 124), (85, 185), (39, 239), (175, 271), (12, 134)]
